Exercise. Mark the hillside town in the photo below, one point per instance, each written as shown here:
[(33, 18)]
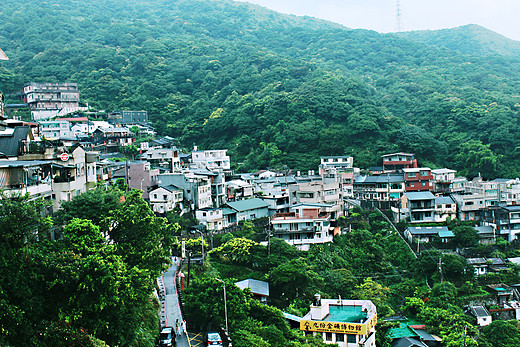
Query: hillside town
[(66, 150)]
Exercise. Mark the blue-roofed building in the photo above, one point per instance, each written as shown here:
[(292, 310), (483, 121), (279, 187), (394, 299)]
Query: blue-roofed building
[(428, 234), (420, 205)]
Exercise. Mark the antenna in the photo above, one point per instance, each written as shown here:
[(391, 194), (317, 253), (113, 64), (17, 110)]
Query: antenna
[(398, 22)]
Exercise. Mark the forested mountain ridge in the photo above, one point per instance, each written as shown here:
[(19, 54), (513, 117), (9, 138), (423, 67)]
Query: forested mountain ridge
[(275, 89), (468, 39)]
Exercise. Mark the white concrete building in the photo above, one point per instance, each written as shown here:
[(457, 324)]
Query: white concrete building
[(306, 224), (211, 159), (164, 199), (348, 323), (56, 129), (212, 218)]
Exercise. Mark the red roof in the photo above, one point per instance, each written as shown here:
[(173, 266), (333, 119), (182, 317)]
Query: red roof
[(75, 119)]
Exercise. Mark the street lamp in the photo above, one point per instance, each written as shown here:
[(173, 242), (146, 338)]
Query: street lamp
[(202, 238), (225, 303)]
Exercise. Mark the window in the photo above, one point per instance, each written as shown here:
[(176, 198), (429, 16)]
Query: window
[(424, 183), (340, 337), (165, 197), (155, 196), (328, 336), (351, 338), (424, 173), (412, 174)]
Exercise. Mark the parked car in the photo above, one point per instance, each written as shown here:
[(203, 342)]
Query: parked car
[(166, 337), (214, 340)]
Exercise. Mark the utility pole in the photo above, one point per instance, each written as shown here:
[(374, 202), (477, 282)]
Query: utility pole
[(225, 304), (440, 270)]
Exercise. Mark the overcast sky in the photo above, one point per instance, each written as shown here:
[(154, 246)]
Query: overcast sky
[(501, 16)]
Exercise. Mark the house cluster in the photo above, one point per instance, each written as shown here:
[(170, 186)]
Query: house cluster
[(425, 195)]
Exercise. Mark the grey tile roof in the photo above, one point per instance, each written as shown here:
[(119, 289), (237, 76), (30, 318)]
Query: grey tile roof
[(256, 286), (10, 145)]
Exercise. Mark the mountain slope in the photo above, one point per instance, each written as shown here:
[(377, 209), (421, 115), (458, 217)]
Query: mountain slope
[(275, 89), (468, 39)]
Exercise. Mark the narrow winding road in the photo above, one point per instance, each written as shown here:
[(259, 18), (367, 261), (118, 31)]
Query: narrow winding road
[(172, 310)]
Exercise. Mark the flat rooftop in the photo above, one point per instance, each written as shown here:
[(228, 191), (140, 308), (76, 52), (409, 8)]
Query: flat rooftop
[(350, 314)]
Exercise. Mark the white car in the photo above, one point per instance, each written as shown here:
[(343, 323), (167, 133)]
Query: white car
[(166, 337)]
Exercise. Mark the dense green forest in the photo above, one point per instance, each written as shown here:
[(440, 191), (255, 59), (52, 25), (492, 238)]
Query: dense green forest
[(81, 290), (276, 89)]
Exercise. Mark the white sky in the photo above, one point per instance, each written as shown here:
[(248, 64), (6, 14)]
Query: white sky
[(501, 16)]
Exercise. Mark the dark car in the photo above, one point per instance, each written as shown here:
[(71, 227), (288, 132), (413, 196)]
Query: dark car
[(166, 337), (213, 339)]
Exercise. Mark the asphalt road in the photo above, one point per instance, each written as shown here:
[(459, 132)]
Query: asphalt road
[(172, 311)]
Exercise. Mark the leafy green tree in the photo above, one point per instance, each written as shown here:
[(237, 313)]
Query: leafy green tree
[(142, 239), (375, 292), (294, 279), (465, 236), (95, 205), (500, 334)]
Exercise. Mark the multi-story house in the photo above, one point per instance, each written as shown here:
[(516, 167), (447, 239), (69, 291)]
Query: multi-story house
[(165, 158), (17, 142), (389, 187), (57, 129), (74, 174), (164, 199), (238, 190), (418, 179), (278, 201), (140, 175), (420, 206), (27, 177), (306, 224), (196, 188), (445, 208), (110, 139), (399, 161), (443, 181), (124, 118), (51, 99), (336, 163), (505, 220), (211, 218), (211, 160), (319, 190), (346, 323)]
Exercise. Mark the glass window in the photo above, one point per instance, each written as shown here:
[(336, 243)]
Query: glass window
[(351, 338), (328, 336), (340, 337)]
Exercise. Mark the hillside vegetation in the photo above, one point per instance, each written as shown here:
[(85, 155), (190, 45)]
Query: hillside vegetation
[(275, 89)]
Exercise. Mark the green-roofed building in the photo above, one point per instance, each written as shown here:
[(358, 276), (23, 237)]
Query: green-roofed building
[(236, 211)]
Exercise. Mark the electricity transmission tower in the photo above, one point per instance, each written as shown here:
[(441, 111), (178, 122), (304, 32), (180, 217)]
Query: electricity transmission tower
[(398, 19)]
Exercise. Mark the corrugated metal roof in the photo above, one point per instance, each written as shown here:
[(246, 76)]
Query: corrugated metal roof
[(9, 145), (245, 205), (256, 286), (419, 195), (428, 230), (444, 200)]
